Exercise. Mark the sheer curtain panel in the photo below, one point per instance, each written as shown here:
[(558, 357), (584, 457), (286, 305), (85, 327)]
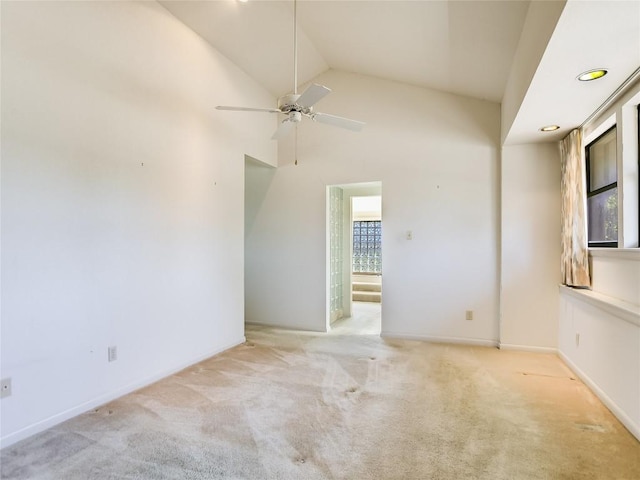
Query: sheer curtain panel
[(575, 254)]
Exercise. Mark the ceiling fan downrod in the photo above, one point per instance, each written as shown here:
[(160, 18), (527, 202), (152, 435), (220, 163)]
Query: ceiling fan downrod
[(294, 105), (295, 47)]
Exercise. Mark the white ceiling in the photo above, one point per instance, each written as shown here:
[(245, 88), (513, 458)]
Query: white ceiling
[(461, 47), (589, 34)]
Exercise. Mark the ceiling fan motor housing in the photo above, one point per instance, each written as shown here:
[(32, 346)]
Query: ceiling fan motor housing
[(288, 104)]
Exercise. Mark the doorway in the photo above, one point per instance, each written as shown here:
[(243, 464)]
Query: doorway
[(354, 258)]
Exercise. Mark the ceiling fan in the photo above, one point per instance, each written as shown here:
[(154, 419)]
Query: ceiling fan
[(295, 105)]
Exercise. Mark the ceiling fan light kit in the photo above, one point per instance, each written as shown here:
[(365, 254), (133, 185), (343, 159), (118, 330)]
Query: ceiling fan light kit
[(295, 105)]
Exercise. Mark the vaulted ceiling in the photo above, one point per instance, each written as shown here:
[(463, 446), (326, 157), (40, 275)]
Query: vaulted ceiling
[(462, 47)]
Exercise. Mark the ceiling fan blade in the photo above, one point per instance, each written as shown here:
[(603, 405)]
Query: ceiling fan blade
[(284, 128), (353, 125), (312, 95), (247, 109)]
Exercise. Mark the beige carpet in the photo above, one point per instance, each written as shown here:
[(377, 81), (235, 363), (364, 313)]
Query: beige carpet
[(310, 406)]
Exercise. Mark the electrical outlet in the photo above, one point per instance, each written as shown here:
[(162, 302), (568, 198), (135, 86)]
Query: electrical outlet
[(112, 353), (5, 387), (577, 339), (469, 315)]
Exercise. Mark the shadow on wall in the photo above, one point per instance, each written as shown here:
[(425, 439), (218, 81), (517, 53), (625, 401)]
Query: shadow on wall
[(257, 179)]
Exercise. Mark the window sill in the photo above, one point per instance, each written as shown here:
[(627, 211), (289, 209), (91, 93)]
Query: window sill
[(620, 253), (624, 310)]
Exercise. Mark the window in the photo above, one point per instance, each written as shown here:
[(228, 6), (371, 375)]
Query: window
[(367, 246), (602, 190)]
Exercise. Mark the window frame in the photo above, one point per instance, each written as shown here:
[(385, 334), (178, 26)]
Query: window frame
[(590, 193), (638, 179)]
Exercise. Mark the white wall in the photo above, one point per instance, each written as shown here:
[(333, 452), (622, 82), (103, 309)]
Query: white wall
[(366, 208), (98, 249), (603, 347), (530, 247), (616, 273), (257, 178), (541, 20), (437, 156), (599, 330)]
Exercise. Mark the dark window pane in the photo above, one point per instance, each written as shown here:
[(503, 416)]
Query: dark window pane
[(603, 216), (602, 161)]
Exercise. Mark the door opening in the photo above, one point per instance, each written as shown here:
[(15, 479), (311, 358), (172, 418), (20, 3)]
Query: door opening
[(354, 258)]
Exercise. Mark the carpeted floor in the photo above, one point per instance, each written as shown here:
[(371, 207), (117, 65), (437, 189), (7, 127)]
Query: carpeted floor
[(291, 405)]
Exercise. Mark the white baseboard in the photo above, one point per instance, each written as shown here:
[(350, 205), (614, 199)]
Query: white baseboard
[(106, 398), (609, 403), (527, 348), (437, 339), (278, 326)]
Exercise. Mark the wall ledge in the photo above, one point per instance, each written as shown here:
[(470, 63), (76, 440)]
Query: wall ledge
[(624, 310), (618, 253)]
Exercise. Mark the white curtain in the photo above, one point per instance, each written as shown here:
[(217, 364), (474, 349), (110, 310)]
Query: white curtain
[(575, 253)]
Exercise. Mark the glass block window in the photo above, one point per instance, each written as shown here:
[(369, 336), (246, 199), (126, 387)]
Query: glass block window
[(336, 248), (367, 246)]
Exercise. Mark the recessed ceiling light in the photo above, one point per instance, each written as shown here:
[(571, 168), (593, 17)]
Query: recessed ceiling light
[(549, 128), (592, 74)]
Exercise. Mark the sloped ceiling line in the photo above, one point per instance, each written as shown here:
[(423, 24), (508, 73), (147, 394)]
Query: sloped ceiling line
[(465, 47)]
